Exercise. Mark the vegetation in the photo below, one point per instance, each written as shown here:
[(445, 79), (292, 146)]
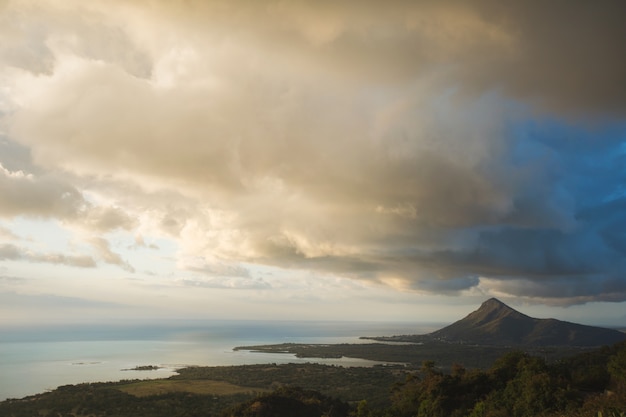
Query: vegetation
[(164, 386), (348, 384), (413, 355), (105, 399), (290, 402), (517, 384), (143, 368)]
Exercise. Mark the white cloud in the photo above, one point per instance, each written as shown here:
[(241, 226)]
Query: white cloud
[(228, 283), (12, 252), (104, 251)]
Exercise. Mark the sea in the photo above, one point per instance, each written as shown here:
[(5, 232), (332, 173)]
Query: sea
[(37, 359)]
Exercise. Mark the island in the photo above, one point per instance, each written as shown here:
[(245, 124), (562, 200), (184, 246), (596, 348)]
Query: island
[(144, 368)]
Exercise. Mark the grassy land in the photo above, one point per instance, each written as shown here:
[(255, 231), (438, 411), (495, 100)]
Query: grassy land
[(204, 387), (347, 384)]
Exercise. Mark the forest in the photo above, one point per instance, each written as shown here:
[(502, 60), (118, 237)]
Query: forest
[(517, 384)]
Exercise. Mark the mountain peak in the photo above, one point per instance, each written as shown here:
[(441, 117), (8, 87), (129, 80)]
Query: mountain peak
[(496, 323), (493, 303), (491, 310)]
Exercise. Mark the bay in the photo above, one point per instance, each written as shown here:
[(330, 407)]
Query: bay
[(36, 359)]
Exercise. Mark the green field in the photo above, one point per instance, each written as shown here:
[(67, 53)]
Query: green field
[(204, 387)]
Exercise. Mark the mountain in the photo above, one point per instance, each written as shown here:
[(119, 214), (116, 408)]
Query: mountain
[(495, 323)]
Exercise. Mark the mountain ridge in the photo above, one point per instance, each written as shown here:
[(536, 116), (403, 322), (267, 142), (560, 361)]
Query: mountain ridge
[(496, 324)]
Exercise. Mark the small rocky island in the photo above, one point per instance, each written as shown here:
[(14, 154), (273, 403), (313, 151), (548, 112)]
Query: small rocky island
[(144, 368)]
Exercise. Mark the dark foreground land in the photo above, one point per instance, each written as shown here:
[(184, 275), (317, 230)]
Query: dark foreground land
[(516, 384)]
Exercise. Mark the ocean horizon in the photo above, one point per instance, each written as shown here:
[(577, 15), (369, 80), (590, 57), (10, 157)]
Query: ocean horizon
[(40, 358)]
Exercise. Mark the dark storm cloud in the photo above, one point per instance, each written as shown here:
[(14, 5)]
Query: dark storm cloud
[(430, 145), (448, 286), (565, 55), (569, 54)]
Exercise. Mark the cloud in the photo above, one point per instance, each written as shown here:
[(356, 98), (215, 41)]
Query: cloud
[(7, 234), (10, 281), (564, 57), (45, 196), (24, 194), (15, 157), (420, 144), (103, 219), (228, 283), (448, 286), (562, 291), (12, 252), (217, 269), (140, 243), (9, 252), (567, 55), (103, 249), (77, 261), (33, 35)]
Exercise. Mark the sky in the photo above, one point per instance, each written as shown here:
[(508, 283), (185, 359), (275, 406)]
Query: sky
[(296, 160)]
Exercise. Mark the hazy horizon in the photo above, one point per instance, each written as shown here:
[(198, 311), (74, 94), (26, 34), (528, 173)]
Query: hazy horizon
[(102, 324)]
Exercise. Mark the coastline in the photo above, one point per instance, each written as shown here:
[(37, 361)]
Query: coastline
[(34, 362)]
